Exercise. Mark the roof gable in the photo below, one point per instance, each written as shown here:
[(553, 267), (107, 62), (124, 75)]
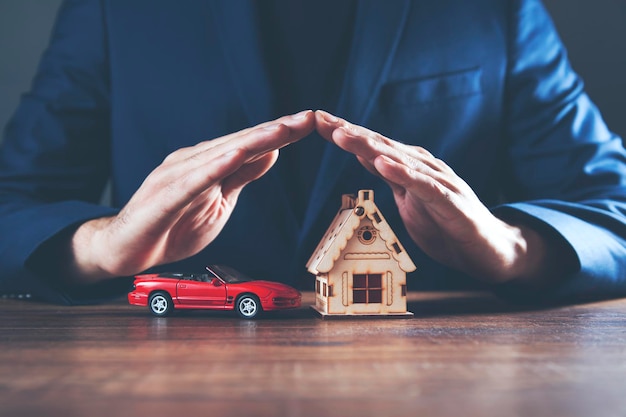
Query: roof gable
[(353, 210)]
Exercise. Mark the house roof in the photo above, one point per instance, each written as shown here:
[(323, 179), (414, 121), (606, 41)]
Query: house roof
[(353, 210)]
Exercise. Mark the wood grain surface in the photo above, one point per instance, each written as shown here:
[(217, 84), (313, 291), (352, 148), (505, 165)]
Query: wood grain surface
[(463, 354)]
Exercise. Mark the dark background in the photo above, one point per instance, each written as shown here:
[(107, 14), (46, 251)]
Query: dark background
[(593, 30)]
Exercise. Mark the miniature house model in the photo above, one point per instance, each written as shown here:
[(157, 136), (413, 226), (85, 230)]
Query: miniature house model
[(360, 266)]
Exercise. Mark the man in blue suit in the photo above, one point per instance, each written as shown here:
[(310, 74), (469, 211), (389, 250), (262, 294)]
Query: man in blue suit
[(485, 154)]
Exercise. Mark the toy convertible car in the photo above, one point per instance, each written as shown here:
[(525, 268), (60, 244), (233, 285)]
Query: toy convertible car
[(221, 288)]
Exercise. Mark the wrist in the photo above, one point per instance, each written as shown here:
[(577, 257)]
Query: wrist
[(85, 259), (542, 257), (530, 260)]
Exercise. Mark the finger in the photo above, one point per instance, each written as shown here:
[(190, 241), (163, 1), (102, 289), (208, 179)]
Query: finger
[(301, 124), (371, 145), (255, 143), (423, 186), (248, 173), (326, 123), (353, 138), (368, 166), (368, 144), (368, 147), (294, 121), (442, 197)]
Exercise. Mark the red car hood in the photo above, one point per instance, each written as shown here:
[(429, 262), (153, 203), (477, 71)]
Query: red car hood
[(270, 285)]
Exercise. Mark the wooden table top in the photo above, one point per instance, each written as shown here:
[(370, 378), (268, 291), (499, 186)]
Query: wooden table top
[(463, 354)]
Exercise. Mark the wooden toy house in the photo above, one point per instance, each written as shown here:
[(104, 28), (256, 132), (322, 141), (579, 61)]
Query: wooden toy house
[(360, 266)]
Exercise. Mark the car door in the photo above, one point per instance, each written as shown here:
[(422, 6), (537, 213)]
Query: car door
[(200, 290)]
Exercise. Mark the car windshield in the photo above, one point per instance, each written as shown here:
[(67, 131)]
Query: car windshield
[(228, 274)]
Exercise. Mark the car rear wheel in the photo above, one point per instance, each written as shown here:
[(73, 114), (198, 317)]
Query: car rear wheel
[(248, 306), (160, 304)]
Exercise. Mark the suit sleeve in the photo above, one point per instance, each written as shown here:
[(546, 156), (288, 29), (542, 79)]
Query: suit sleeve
[(54, 157), (565, 165)]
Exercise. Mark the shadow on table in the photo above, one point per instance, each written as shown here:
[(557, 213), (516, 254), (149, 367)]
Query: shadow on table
[(451, 304)]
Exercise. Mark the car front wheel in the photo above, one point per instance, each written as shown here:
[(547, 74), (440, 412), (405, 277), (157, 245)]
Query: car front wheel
[(248, 306), (160, 304)]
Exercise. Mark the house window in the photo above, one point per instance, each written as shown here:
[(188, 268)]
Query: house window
[(324, 294), (317, 287), (367, 288), (367, 235), (396, 247)]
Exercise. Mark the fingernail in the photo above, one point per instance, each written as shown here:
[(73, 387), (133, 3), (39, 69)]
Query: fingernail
[(300, 116), (330, 118)]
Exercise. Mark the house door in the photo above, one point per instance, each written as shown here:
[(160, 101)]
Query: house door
[(367, 288)]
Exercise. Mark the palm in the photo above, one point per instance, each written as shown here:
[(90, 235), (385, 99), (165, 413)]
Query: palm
[(198, 225), (449, 232)]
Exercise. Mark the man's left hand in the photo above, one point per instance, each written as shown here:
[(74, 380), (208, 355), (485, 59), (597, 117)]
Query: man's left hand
[(441, 212)]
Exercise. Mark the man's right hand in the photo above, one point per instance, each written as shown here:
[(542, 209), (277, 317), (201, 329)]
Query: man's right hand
[(183, 204)]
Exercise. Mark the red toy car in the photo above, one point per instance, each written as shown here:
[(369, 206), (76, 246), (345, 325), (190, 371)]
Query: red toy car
[(221, 288)]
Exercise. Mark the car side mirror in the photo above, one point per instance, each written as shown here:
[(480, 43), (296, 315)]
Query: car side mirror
[(217, 283)]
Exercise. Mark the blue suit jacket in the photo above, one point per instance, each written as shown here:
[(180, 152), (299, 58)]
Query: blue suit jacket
[(485, 85)]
